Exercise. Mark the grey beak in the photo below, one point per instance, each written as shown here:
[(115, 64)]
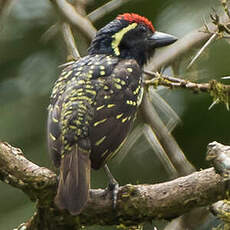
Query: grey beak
[(160, 39)]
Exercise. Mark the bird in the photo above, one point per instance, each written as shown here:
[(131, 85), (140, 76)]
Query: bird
[(94, 103)]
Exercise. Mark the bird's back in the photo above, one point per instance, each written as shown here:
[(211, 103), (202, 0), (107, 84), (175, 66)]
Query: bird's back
[(95, 98)]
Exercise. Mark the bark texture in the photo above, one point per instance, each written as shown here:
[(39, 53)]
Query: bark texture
[(136, 203)]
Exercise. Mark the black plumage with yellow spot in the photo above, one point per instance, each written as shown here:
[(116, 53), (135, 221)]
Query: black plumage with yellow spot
[(94, 103)]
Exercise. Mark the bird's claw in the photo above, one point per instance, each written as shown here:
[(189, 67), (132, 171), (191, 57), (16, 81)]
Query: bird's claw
[(114, 188)]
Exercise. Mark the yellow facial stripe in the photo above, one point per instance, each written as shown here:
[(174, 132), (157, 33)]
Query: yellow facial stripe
[(117, 37)]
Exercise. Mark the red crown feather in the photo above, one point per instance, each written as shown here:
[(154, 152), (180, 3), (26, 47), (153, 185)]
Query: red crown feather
[(131, 17)]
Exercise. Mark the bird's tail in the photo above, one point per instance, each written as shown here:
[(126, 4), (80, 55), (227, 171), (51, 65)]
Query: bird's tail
[(74, 182)]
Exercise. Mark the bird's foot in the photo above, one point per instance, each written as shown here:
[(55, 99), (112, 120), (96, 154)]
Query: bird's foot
[(113, 187)]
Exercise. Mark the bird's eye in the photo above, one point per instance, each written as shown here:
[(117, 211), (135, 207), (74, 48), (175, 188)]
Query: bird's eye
[(143, 28)]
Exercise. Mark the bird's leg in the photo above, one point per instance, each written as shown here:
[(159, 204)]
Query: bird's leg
[(113, 185)]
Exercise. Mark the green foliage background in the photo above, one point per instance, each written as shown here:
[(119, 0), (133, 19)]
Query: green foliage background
[(28, 69)]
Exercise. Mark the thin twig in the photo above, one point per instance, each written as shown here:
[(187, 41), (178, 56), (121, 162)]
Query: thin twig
[(50, 32), (74, 18), (175, 154), (173, 82), (213, 37), (214, 103), (171, 118), (70, 42), (132, 138), (160, 152), (105, 9), (225, 6), (6, 6), (80, 6), (5, 9), (220, 92)]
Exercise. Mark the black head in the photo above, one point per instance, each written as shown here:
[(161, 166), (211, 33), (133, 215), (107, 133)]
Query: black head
[(129, 36)]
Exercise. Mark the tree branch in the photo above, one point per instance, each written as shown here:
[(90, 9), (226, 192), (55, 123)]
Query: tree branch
[(21, 173), (136, 203), (220, 92), (74, 18), (101, 11), (70, 42), (175, 154)]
